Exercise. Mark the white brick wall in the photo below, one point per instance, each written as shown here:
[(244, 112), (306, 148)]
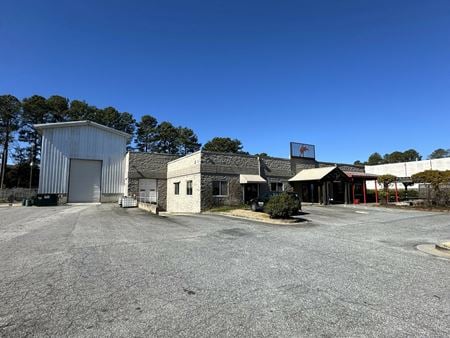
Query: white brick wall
[(184, 202), (182, 170)]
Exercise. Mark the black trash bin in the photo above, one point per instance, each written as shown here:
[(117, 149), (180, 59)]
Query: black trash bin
[(46, 200)]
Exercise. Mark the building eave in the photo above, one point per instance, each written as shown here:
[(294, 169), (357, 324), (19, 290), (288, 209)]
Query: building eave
[(43, 126)]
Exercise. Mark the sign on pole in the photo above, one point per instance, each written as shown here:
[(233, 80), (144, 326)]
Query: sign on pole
[(302, 150)]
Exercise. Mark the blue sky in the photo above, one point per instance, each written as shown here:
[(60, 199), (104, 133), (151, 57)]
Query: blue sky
[(351, 77)]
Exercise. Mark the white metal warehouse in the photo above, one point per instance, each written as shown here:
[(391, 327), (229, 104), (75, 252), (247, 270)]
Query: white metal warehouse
[(82, 161)]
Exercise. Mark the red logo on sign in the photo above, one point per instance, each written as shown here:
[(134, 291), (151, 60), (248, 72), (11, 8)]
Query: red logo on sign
[(303, 149)]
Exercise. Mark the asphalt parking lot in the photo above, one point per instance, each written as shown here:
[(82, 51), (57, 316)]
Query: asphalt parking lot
[(106, 271)]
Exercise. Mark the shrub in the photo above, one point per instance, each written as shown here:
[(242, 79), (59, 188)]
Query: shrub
[(437, 179), (282, 206)]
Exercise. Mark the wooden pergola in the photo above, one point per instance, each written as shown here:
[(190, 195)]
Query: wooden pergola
[(362, 178)]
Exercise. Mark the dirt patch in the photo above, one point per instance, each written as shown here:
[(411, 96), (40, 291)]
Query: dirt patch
[(261, 217), (414, 207)]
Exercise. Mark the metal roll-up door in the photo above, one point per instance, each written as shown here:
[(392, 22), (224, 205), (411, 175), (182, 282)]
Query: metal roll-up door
[(84, 181), (148, 190)]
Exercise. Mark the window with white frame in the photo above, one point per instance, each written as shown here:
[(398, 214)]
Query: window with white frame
[(220, 188), (276, 186), (188, 187), (177, 188)]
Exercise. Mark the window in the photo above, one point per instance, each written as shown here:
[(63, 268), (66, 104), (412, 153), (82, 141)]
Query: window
[(189, 188), (220, 188), (177, 188), (276, 186)]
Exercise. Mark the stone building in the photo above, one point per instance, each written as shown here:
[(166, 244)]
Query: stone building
[(203, 180), (86, 162)]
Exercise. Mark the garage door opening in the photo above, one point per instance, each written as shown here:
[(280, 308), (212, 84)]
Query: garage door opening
[(84, 181), (148, 191)]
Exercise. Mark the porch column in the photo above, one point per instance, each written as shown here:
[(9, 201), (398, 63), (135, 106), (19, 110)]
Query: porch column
[(325, 193), (376, 191), (364, 191), (331, 191), (319, 197), (353, 192), (396, 192), (346, 192)]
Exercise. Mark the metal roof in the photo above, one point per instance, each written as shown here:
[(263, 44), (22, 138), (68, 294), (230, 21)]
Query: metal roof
[(80, 124), (313, 174), (351, 174), (243, 179)]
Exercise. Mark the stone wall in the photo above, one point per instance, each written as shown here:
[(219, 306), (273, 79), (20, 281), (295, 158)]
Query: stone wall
[(276, 167), (149, 165), (209, 201), (228, 167), (298, 164), (162, 194), (223, 163)]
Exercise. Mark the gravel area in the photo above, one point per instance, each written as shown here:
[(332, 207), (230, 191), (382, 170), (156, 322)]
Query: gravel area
[(105, 271)]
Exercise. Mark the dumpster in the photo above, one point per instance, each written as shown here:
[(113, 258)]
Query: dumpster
[(46, 200)]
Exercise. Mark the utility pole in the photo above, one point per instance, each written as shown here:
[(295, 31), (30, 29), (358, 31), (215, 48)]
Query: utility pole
[(31, 173), (31, 164), (5, 154)]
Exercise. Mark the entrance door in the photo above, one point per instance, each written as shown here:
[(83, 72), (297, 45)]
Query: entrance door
[(84, 181), (147, 190), (250, 191)]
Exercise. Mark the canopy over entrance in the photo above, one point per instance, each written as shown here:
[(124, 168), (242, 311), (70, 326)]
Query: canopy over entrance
[(244, 179), (316, 174)]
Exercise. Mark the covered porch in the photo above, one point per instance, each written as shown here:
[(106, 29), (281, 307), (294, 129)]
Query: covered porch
[(331, 185)]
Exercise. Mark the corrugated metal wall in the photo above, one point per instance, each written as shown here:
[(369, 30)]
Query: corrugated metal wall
[(61, 144)]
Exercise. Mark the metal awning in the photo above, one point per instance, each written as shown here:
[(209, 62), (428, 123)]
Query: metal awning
[(244, 179), (313, 174)]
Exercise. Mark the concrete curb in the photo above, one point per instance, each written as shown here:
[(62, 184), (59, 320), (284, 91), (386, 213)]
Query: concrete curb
[(269, 221), (431, 249)]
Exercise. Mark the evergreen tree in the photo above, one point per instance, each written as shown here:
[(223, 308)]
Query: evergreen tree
[(35, 111), (146, 133), (167, 140), (10, 110), (187, 140), (223, 145)]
